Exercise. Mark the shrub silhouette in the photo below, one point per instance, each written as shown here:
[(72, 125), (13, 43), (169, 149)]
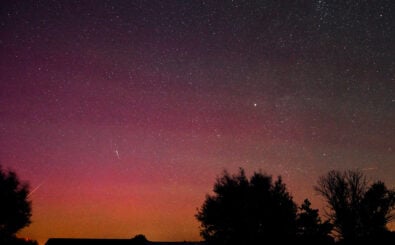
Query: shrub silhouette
[(248, 211), (358, 212), (140, 239), (15, 208)]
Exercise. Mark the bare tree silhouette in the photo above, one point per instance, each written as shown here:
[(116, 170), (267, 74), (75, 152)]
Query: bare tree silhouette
[(357, 211)]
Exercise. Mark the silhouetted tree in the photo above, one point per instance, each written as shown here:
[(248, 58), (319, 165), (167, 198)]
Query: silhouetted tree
[(377, 206), (357, 211), (311, 230), (343, 193), (139, 239), (15, 208), (248, 211)]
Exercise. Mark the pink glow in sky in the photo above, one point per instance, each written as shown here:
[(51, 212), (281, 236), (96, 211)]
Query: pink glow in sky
[(123, 113)]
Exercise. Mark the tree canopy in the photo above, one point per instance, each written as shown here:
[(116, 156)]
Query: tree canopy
[(15, 208), (359, 212), (248, 211), (311, 229)]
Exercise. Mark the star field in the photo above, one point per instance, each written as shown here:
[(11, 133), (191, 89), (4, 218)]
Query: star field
[(121, 114)]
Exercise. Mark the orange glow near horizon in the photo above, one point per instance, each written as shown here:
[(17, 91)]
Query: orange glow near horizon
[(112, 208), (121, 114), (158, 214)]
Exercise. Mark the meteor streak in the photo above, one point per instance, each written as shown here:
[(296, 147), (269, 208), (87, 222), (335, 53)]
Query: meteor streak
[(369, 169), (117, 153), (35, 189)]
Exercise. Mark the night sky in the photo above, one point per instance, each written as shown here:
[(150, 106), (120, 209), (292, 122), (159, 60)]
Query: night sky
[(121, 114)]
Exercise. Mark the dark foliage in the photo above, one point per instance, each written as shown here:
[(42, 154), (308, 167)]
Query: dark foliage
[(13, 240), (311, 230), (358, 212), (248, 211), (377, 206), (15, 208), (139, 239)]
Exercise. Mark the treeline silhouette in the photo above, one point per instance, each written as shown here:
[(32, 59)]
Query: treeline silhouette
[(251, 211), (258, 210)]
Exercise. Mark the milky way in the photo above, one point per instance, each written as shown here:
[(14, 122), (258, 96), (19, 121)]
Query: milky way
[(121, 114)]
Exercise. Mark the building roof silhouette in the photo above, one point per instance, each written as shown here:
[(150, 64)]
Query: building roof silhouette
[(88, 241)]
